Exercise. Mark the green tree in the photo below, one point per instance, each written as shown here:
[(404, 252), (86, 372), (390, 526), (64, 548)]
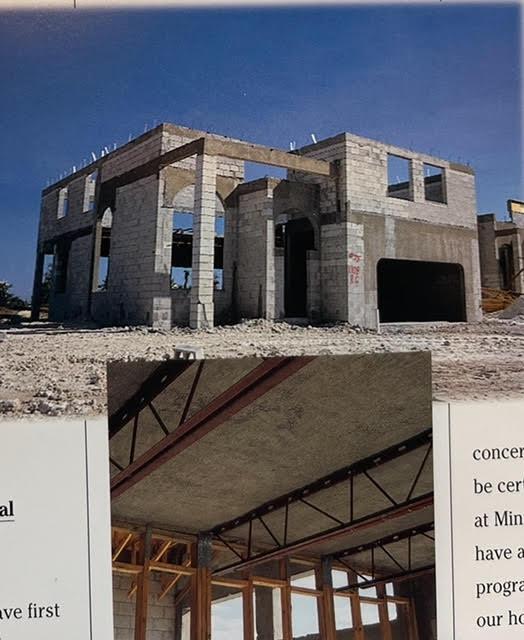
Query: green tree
[(7, 299)]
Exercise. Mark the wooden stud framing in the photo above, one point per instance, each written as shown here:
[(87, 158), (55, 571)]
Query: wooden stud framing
[(326, 603), (385, 626), (285, 600), (248, 611), (147, 552), (356, 613), (142, 594), (201, 590), (123, 544)]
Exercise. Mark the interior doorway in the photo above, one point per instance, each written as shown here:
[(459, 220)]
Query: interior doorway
[(299, 238), (507, 271), (418, 291)]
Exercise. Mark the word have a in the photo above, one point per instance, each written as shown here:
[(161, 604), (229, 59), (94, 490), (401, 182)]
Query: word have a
[(490, 554)]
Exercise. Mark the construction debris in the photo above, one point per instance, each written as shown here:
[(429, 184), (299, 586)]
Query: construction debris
[(515, 309), (496, 299), (62, 371)]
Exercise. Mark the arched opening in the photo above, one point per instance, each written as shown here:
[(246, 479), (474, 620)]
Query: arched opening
[(296, 237), (90, 192), (103, 251), (418, 291), (182, 243)]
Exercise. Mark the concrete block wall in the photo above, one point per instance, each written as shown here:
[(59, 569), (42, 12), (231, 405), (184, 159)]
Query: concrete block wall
[(137, 274), (132, 155), (73, 303), (367, 180), (360, 224), (161, 614), (314, 286), (255, 253), (334, 272), (332, 190), (352, 204), (489, 266), (51, 225)]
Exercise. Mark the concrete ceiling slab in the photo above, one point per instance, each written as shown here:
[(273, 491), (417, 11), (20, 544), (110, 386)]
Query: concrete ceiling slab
[(334, 411)]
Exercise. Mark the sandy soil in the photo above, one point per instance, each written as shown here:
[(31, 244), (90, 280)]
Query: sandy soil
[(45, 369)]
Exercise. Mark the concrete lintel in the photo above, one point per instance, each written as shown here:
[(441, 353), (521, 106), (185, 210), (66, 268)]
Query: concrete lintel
[(67, 236), (265, 155)]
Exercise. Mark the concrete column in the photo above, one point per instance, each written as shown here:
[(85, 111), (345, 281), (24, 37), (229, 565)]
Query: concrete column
[(269, 301), (279, 282), (201, 302), (264, 613), (417, 181)]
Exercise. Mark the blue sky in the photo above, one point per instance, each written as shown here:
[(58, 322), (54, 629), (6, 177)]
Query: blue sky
[(441, 79)]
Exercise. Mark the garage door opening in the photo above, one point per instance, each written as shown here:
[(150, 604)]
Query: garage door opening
[(416, 291)]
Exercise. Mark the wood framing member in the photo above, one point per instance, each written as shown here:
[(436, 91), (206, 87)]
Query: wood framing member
[(198, 589), (201, 554), (172, 582), (285, 601), (248, 611), (383, 615), (123, 544), (256, 383), (142, 594), (326, 604), (356, 614)]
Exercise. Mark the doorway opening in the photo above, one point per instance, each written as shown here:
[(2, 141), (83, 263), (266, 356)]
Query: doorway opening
[(298, 238), (507, 271), (417, 291)]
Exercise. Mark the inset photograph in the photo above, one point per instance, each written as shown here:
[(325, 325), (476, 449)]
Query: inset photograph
[(273, 498)]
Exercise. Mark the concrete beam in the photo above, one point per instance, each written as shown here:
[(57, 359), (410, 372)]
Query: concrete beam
[(265, 155)]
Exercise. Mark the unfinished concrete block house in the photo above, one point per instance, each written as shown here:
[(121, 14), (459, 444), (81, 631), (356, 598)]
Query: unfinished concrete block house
[(501, 245), (165, 230)]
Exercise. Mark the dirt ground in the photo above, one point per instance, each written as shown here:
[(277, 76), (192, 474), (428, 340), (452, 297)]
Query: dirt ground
[(45, 369)]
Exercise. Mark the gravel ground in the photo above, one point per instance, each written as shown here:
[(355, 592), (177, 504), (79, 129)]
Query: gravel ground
[(45, 369)]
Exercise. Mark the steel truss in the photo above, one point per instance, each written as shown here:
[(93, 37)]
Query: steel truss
[(283, 547), (252, 386), (159, 380), (404, 571)]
